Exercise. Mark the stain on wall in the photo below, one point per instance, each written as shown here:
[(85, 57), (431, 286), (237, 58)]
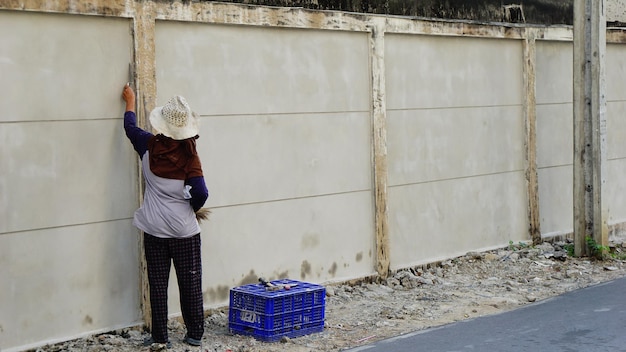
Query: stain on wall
[(218, 294), (333, 269), (359, 257), (305, 269), (251, 278), (281, 275), (88, 320), (310, 241)]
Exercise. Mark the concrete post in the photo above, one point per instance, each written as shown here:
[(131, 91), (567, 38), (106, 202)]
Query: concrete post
[(590, 215), (379, 122), (530, 141), (145, 76)]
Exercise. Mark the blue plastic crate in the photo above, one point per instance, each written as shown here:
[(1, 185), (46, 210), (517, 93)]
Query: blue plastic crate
[(270, 315)]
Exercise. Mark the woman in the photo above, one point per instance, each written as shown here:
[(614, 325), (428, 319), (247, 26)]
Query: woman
[(175, 190)]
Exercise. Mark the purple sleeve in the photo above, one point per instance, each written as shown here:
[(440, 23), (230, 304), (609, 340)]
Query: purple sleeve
[(199, 192), (138, 137)]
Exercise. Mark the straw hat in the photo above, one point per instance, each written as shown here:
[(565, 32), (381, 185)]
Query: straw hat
[(175, 119)]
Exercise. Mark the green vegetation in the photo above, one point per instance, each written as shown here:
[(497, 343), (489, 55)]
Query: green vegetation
[(569, 247), (603, 252), (518, 246)]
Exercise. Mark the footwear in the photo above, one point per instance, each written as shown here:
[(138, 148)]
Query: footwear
[(191, 341), (156, 346)]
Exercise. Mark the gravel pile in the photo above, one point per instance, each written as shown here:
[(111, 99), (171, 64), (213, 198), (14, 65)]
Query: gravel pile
[(365, 311)]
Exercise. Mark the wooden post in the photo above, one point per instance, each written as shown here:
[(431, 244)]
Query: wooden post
[(530, 141), (145, 71), (590, 215), (379, 124)]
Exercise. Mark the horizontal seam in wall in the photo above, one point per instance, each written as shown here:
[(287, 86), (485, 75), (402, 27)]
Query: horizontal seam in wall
[(563, 165), (556, 103), (64, 120), (456, 178), (456, 107), (288, 199), (554, 166), (287, 113), (62, 226)]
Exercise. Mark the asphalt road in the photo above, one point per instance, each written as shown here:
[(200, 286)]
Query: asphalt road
[(592, 319)]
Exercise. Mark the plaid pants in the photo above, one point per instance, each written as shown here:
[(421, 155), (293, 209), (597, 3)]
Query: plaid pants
[(185, 252)]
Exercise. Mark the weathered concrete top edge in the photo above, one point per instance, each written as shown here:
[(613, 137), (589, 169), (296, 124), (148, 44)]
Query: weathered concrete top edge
[(295, 17), (111, 8)]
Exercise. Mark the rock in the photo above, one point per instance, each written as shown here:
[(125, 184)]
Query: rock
[(560, 255), (411, 309), (474, 255), (330, 291), (381, 324), (491, 257), (573, 274), (533, 253), (380, 289), (610, 268), (545, 247), (511, 283), (425, 281), (393, 282), (400, 275)]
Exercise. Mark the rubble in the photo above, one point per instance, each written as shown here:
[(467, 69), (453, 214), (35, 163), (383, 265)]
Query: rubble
[(409, 300)]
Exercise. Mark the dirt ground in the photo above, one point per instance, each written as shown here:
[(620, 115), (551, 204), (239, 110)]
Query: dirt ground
[(360, 313)]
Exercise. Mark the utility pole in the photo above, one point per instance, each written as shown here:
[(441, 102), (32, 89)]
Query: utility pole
[(590, 214)]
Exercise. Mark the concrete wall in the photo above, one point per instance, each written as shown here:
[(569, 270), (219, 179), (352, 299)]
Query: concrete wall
[(456, 140), (335, 146), (286, 141), (555, 135), (68, 180), (616, 125)]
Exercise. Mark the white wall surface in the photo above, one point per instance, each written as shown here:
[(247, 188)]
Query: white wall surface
[(616, 130), (68, 179), (455, 139), (555, 136), (285, 143)]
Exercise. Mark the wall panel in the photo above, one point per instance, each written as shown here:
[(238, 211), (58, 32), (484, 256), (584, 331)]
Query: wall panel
[(455, 137), (65, 282), (285, 145), (226, 70), (438, 220), (62, 67), (433, 71), (616, 130), (555, 136), (68, 179)]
